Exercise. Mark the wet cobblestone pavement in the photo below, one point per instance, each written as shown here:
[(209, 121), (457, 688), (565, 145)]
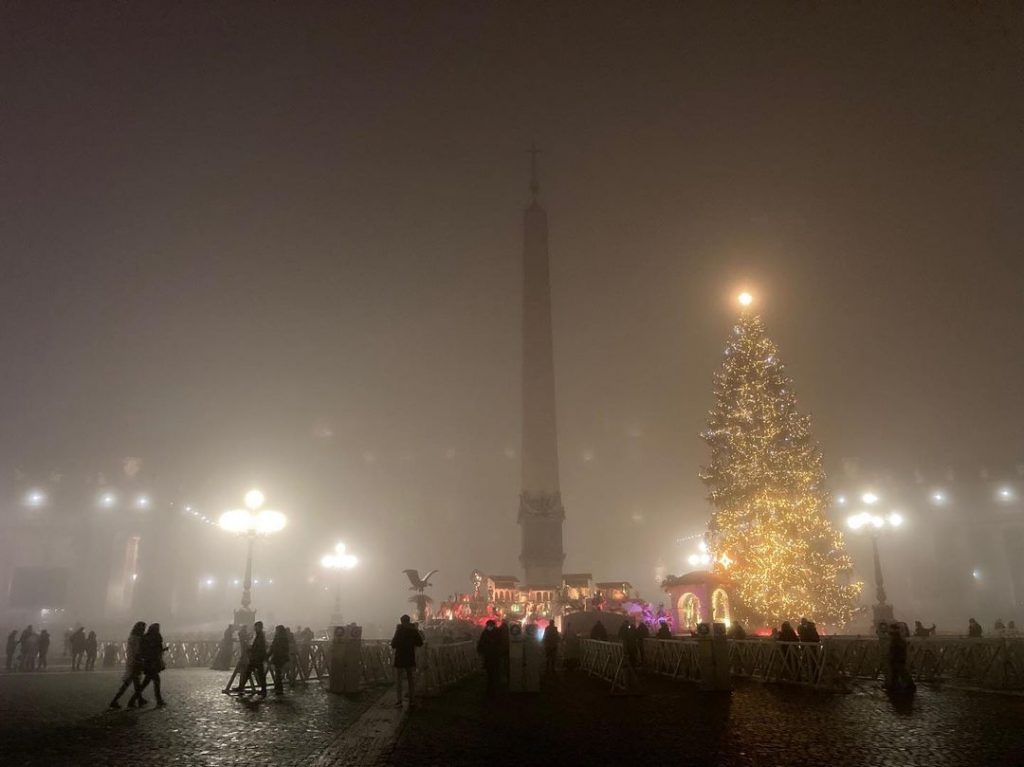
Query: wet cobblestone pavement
[(576, 722), (60, 718)]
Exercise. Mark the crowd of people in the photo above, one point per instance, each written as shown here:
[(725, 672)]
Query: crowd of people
[(31, 648), (257, 658)]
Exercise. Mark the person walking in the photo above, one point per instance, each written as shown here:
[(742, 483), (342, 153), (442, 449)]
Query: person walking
[(973, 629), (152, 647), (552, 640), (242, 666), (405, 641), (12, 645), (90, 651), (258, 657), (279, 656), (77, 643), (132, 665), (43, 648), (489, 648)]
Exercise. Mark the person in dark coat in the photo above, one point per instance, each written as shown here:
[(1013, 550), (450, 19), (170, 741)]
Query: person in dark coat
[(132, 665), (90, 651), (12, 645), (642, 632), (786, 633), (279, 656), (258, 657), (807, 631), (664, 632), (552, 639), (973, 628), (489, 648), (77, 642), (405, 641), (627, 636), (900, 679), (599, 632), (225, 651), (44, 647), (152, 664)]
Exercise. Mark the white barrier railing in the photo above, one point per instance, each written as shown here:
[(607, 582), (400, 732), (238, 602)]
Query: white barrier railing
[(441, 665), (987, 664), (438, 665)]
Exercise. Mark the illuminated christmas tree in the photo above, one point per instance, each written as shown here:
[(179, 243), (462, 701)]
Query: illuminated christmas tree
[(768, 530)]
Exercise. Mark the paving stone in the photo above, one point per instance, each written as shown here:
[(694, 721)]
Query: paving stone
[(576, 722), (61, 719)]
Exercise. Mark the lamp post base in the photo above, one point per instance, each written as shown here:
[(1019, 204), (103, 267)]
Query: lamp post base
[(881, 613), (244, 617)]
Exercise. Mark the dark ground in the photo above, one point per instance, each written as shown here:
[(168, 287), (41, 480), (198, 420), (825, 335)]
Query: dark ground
[(577, 723), (59, 718)]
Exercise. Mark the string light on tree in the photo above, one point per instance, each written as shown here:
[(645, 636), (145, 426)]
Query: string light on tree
[(768, 490)]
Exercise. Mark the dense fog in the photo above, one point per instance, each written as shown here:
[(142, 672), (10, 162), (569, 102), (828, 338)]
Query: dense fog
[(281, 248)]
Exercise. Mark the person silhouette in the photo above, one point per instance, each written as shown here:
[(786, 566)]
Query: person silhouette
[(153, 649), (132, 666)]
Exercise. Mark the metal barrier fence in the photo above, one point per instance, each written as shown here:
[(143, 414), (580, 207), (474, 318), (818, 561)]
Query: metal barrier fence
[(986, 664), (441, 665), (438, 665)]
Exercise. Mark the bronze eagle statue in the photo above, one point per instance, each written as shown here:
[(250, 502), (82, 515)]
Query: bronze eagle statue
[(418, 584)]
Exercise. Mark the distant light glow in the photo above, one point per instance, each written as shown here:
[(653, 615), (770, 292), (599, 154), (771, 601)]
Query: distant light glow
[(938, 497), (693, 560), (977, 575), (869, 498), (841, 500), (877, 521), (1005, 494), (142, 502), (35, 498), (254, 499), (244, 521), (745, 298), (107, 500), (895, 519), (209, 581), (702, 546)]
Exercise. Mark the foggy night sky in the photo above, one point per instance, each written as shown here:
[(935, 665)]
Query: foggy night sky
[(227, 226)]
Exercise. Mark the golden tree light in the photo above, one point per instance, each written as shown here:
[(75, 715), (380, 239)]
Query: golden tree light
[(768, 491)]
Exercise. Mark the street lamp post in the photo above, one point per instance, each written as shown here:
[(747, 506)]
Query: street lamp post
[(250, 522), (881, 611), (338, 561)]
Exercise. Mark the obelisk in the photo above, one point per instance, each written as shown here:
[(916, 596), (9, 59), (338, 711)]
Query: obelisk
[(540, 504)]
